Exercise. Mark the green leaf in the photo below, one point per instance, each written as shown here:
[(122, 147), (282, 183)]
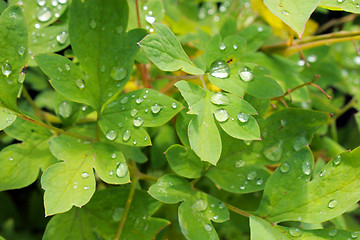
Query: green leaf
[(7, 117), (256, 36), (101, 217), (102, 26), (20, 163), (348, 6), (3, 5), (197, 209), (357, 118), (236, 175), (72, 181), (293, 13), (184, 161), (326, 196), (123, 120), (263, 230), (165, 51), (13, 40)]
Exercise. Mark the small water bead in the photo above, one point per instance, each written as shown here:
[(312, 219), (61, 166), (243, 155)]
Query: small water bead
[(41, 3), (67, 67), (273, 153), (207, 227), (333, 233), (44, 14), (174, 105), (357, 60), (260, 29), (221, 115), (295, 232), (199, 205), (220, 99), (6, 69), (111, 173), (306, 168), (216, 217), (111, 135), (139, 100), (54, 3), (300, 142), (64, 109), (149, 18), (93, 24), (221, 205), (133, 112), (322, 173), (134, 142), (354, 234), (21, 77), (122, 170), (312, 58), (138, 122), (126, 135), (245, 74), (85, 175), (62, 1), (156, 108), (80, 83), (62, 37), (220, 69), (282, 122), (340, 1), (285, 13), (235, 46), (11, 159), (259, 182), (242, 187), (118, 73), (240, 163), (21, 50), (86, 188), (222, 46), (251, 175), (332, 203), (301, 63), (243, 117), (337, 161), (124, 100)]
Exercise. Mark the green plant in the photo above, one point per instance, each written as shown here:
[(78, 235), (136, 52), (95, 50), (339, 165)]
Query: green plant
[(231, 129)]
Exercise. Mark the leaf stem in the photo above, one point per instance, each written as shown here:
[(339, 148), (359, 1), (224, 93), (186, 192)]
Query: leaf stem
[(349, 105), (192, 184), (144, 74), (237, 210), (175, 79), (128, 201), (143, 176), (137, 13), (28, 98)]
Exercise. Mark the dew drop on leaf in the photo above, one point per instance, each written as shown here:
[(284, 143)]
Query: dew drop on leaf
[(85, 175), (306, 168), (322, 173), (21, 77), (21, 50), (121, 170), (41, 3), (222, 46), (138, 122), (64, 109), (62, 37), (333, 233), (220, 99), (239, 163), (259, 182), (11, 159), (221, 115), (117, 214), (92, 24), (199, 205), (337, 161), (207, 227), (126, 135), (300, 142), (156, 108), (118, 73), (86, 188), (6, 69), (174, 105), (312, 58), (221, 205), (354, 235), (243, 117), (285, 13), (44, 14), (284, 168), (242, 187), (332, 203), (62, 1), (220, 69), (295, 232), (245, 74), (67, 67), (273, 153), (235, 46), (133, 112), (139, 100), (283, 122), (80, 83), (149, 18), (113, 155), (216, 217), (111, 173), (251, 175), (340, 1), (111, 134), (134, 142), (124, 100)]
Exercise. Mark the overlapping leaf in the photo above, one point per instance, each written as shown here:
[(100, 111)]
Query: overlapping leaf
[(326, 196), (102, 215), (165, 51), (124, 119), (7, 117), (349, 6), (197, 209)]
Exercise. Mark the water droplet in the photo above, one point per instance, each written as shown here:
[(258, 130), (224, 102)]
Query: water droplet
[(86, 188), (251, 175), (240, 163), (301, 62), (235, 46), (285, 13), (260, 29), (337, 161), (44, 14), (92, 23), (118, 73), (80, 83), (138, 122), (274, 152), (242, 187), (333, 203), (340, 1), (259, 181), (284, 168), (134, 142), (220, 69), (354, 234), (322, 173), (126, 135), (139, 100), (221, 115), (124, 100), (111, 173), (300, 142), (54, 3), (222, 46), (133, 112), (67, 67), (216, 217), (149, 18), (220, 99), (221, 205), (62, 37), (11, 159), (21, 77), (199, 205), (111, 134), (41, 3), (64, 109), (332, 233), (207, 227), (156, 108), (306, 168), (122, 170), (173, 105), (6, 69), (21, 50), (312, 58), (282, 122), (295, 232), (243, 117), (85, 175), (245, 74), (62, 1)]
